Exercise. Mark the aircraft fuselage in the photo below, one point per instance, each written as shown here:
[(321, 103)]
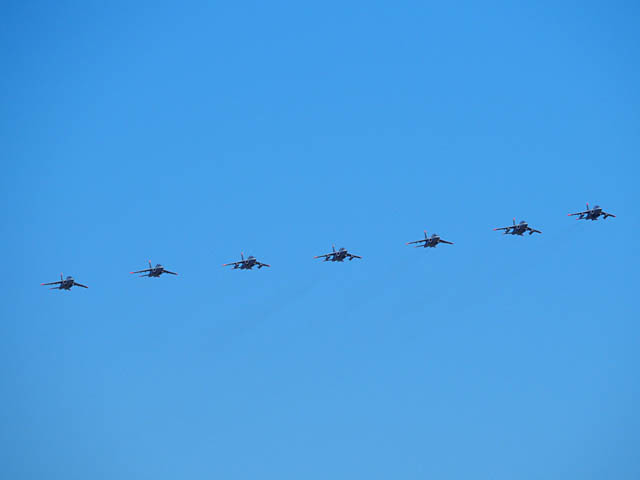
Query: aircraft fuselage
[(594, 214), (432, 242), (519, 229), (248, 264)]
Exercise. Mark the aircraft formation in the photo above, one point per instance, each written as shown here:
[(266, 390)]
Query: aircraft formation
[(343, 254)]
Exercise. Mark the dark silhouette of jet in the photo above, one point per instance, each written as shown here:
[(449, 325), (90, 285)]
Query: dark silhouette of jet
[(246, 263), (65, 284), (154, 271), (431, 241), (592, 213), (337, 256), (519, 229)]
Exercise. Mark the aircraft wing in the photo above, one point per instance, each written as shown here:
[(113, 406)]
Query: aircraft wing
[(417, 241), (260, 265), (170, 273), (232, 263), (143, 271), (79, 284), (51, 283), (579, 213), (324, 256), (533, 230), (444, 241), (354, 256), (608, 215), (503, 228)]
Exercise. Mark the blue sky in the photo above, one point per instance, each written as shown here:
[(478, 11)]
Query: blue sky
[(184, 133)]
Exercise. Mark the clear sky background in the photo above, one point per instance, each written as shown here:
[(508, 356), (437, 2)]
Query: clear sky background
[(187, 132)]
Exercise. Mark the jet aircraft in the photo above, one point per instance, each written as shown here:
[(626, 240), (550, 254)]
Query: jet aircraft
[(65, 283), (592, 213), (246, 264), (431, 241), (337, 256), (154, 271), (518, 229)]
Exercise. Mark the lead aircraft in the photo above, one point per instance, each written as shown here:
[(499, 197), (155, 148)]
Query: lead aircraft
[(246, 264), (337, 255), (430, 241), (518, 229), (592, 213), (65, 283), (154, 271)]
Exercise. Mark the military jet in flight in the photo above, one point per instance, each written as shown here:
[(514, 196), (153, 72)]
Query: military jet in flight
[(519, 229), (431, 241), (154, 271), (65, 283), (592, 213), (337, 256), (246, 263)]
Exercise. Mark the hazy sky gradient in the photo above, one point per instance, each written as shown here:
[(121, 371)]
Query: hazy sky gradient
[(186, 133)]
